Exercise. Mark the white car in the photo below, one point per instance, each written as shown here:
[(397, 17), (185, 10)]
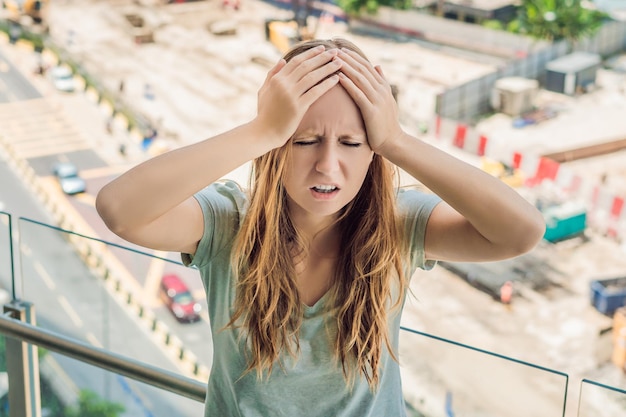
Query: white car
[(62, 78), (67, 175)]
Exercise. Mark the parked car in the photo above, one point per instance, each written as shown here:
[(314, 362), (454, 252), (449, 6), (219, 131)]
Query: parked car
[(178, 299), (62, 78), (67, 175)]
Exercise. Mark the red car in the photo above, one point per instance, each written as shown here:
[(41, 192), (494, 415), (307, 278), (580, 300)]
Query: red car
[(177, 297)]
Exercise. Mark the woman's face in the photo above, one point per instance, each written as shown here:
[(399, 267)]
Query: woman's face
[(330, 157)]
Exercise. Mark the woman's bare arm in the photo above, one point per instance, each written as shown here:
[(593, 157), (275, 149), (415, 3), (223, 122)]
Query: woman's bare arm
[(152, 204), (481, 218)]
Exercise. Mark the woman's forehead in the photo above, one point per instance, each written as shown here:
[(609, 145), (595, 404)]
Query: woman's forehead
[(334, 110)]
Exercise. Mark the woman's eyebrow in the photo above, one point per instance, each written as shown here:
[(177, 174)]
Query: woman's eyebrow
[(361, 136), (307, 134)]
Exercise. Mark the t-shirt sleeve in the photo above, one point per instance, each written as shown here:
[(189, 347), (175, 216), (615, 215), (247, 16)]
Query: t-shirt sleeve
[(415, 208), (223, 204)]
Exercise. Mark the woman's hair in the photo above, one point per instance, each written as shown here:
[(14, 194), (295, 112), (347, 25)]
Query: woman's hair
[(368, 269)]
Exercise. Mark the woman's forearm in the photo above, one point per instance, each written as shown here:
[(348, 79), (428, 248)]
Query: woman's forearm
[(153, 187), (493, 208)]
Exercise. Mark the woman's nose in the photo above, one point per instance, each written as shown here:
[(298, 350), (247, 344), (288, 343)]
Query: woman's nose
[(327, 159)]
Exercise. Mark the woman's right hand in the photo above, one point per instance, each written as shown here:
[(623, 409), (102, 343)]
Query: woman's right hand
[(290, 88)]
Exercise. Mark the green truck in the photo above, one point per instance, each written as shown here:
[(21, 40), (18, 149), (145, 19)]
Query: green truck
[(564, 221)]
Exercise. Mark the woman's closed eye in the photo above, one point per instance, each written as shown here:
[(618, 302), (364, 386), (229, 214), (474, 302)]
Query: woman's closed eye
[(308, 141), (305, 142)]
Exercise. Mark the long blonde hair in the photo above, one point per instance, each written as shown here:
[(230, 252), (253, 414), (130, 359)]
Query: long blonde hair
[(368, 270)]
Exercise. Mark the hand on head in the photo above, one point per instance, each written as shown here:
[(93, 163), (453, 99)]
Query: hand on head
[(372, 93), (291, 87)]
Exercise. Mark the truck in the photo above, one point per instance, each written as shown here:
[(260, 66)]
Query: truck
[(564, 221), (34, 9)]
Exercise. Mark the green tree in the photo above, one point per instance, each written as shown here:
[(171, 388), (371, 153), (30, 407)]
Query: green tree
[(555, 20), (91, 405), (357, 7)]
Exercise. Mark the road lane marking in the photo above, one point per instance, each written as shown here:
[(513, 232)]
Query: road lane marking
[(93, 340), (70, 311), (45, 276), (153, 278)]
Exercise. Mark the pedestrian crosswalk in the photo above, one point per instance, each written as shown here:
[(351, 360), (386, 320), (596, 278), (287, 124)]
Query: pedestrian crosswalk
[(38, 127)]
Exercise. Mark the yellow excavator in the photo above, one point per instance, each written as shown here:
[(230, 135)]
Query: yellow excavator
[(35, 9)]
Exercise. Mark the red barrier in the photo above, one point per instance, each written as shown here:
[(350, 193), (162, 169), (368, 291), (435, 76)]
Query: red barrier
[(482, 145), (547, 169), (459, 137), (616, 207), (517, 160)]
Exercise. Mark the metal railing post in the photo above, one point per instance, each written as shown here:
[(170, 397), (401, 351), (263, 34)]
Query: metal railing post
[(22, 366)]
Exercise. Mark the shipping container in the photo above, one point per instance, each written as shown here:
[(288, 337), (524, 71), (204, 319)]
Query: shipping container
[(607, 295)]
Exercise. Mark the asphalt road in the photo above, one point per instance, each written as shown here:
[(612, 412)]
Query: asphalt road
[(68, 297), (70, 300)]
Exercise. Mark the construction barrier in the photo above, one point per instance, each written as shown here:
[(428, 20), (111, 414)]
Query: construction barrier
[(606, 210)]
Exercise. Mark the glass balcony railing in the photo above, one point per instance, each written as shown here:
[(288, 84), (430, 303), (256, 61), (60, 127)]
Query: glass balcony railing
[(447, 378), (6, 255), (101, 328), (599, 400)]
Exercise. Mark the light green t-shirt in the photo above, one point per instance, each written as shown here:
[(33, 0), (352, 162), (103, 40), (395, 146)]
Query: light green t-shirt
[(313, 385)]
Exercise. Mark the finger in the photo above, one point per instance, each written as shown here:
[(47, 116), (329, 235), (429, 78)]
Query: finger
[(311, 64), (368, 78), (295, 62), (361, 64), (360, 81), (318, 75), (319, 90), (357, 94), (275, 69)]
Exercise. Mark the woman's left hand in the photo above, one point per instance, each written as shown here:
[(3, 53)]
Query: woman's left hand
[(372, 93)]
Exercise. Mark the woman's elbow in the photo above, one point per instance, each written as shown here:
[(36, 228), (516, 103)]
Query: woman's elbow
[(530, 234), (106, 209)]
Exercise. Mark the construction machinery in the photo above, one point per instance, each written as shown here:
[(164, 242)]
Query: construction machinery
[(16, 10)]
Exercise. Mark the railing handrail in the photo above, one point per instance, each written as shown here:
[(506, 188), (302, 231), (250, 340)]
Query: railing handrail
[(102, 358)]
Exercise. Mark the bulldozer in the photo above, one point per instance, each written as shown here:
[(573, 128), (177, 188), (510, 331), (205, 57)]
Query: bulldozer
[(18, 9), (284, 33)]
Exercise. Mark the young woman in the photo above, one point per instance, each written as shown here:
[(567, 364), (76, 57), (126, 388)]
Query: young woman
[(306, 272)]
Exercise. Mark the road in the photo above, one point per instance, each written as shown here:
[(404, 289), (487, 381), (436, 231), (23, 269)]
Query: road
[(69, 298), (70, 127)]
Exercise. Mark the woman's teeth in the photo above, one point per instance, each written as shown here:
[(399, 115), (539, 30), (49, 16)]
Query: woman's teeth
[(324, 188)]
